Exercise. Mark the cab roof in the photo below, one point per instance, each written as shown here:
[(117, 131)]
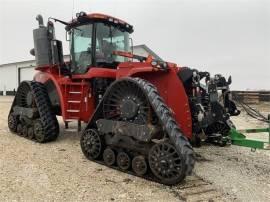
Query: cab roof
[(83, 18)]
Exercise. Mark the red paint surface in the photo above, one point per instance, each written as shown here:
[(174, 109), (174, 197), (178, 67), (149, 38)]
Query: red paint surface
[(167, 83)]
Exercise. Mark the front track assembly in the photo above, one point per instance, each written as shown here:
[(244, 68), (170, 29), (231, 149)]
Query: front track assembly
[(31, 114), (134, 131)]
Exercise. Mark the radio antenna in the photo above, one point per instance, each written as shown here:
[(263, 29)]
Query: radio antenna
[(72, 9)]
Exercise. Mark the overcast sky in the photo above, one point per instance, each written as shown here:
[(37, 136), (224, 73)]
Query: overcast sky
[(231, 37)]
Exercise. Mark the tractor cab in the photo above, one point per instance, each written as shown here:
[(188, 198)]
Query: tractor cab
[(93, 40)]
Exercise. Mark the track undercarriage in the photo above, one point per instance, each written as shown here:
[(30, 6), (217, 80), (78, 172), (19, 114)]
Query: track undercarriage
[(31, 115), (134, 131)]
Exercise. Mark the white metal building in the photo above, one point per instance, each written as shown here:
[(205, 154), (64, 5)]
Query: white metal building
[(12, 74)]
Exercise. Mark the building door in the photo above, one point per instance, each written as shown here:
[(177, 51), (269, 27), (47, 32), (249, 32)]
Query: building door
[(26, 73)]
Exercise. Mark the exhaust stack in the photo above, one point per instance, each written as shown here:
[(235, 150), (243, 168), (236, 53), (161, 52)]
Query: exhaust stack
[(39, 18), (47, 50)]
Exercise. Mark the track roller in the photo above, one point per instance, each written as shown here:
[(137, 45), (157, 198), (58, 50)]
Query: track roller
[(39, 131), (30, 133), (25, 131), (123, 161), (19, 129), (139, 165), (109, 157)]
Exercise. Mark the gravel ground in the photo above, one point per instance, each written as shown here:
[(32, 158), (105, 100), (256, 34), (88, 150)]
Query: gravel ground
[(58, 171)]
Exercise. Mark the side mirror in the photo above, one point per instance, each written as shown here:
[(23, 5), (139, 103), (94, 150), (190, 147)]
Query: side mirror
[(229, 80), (131, 44), (67, 36), (132, 47)]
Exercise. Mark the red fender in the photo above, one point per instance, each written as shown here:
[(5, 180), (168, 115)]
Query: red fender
[(170, 88)]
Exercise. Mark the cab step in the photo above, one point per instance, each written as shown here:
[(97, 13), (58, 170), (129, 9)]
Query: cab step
[(75, 92), (72, 119), (73, 110), (74, 101)]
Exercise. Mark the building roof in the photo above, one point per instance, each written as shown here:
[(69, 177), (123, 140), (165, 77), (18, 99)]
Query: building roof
[(21, 62)]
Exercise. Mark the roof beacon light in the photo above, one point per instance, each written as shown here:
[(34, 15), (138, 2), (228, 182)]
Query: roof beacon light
[(82, 13)]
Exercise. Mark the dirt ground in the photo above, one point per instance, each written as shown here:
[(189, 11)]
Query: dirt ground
[(58, 171)]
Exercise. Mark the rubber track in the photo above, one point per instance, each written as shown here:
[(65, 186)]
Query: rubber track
[(165, 116), (47, 117)]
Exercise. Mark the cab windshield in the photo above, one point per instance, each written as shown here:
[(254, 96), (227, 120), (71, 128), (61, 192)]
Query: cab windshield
[(110, 39), (88, 50)]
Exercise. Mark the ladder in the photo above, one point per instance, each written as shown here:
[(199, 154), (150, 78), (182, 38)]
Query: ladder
[(74, 100)]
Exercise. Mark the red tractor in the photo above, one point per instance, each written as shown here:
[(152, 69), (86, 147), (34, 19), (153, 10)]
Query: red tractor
[(141, 113)]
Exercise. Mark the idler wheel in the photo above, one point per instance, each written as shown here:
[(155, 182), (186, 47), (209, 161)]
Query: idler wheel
[(123, 161), (109, 157), (91, 144), (139, 165), (12, 123), (166, 164)]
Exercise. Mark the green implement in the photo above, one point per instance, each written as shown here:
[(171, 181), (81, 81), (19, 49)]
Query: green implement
[(239, 139)]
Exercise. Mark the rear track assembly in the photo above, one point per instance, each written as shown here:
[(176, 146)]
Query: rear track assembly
[(31, 115), (161, 153)]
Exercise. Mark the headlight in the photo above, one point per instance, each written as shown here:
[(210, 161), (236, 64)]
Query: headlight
[(164, 65), (154, 63)]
